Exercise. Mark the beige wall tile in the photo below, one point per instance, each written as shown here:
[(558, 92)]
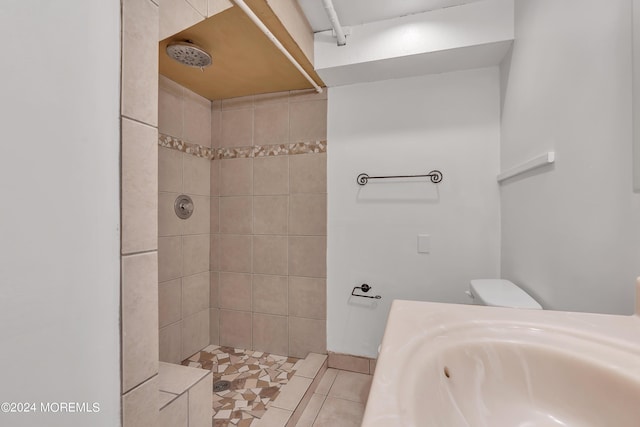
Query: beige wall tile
[(214, 280), (197, 119), (196, 175), (169, 258), (291, 393), (270, 214), (372, 366), (311, 411), (217, 6), (308, 256), (139, 318), (215, 178), (313, 365), (237, 128), (270, 255), (340, 412), (195, 333), (239, 102), (140, 61), (175, 16), (165, 398), (235, 253), (308, 173), (236, 214), (177, 379), (307, 297), (292, 17), (271, 98), (176, 413), (275, 417), (307, 335), (235, 291), (195, 254), (140, 405), (270, 334), (170, 107), (169, 302), (236, 177), (351, 386), (216, 128), (214, 326), (200, 221), (171, 343), (214, 214), (168, 222), (327, 381), (270, 294), (200, 6), (195, 293), (169, 170), (297, 414), (347, 362), (214, 252), (200, 408), (308, 214), (271, 175), (139, 187), (308, 396), (235, 328), (271, 124), (308, 121)]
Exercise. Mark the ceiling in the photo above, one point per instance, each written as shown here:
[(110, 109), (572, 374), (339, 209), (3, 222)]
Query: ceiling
[(356, 12), (245, 61)]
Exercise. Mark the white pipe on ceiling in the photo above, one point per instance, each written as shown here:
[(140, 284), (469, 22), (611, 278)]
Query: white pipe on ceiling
[(335, 22), (246, 9)]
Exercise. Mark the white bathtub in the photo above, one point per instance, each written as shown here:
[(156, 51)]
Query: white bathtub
[(454, 365)]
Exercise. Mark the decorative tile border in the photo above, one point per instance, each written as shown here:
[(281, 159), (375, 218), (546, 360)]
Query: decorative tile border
[(168, 141), (173, 143)]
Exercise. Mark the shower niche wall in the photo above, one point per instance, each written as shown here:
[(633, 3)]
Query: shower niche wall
[(248, 268)]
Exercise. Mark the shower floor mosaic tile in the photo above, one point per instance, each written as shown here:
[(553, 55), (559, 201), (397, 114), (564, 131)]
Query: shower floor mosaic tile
[(255, 377)]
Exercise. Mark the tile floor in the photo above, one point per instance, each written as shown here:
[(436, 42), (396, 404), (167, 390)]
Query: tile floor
[(338, 401), (256, 378)]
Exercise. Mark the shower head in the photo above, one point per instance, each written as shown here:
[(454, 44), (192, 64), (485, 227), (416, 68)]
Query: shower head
[(187, 53)]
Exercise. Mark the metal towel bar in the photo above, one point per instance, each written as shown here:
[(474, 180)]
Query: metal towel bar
[(434, 175)]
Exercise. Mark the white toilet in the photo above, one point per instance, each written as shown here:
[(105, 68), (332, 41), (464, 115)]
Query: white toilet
[(500, 293)]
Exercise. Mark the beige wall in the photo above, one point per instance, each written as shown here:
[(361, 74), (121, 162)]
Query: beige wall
[(268, 257), (177, 15), (183, 270), (154, 247), (248, 268), (139, 187), (293, 19)]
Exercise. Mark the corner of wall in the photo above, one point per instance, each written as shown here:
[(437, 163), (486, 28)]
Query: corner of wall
[(139, 194)]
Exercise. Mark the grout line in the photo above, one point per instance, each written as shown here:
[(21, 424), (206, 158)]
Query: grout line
[(199, 13), (139, 122), (149, 251), (324, 399), (140, 384)]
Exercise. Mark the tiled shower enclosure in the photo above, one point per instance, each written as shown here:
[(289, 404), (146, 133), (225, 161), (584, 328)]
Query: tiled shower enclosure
[(248, 269)]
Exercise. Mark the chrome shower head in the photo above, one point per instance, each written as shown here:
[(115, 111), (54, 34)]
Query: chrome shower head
[(187, 53)]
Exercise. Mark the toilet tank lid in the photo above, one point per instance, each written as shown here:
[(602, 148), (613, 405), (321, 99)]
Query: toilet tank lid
[(502, 293)]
